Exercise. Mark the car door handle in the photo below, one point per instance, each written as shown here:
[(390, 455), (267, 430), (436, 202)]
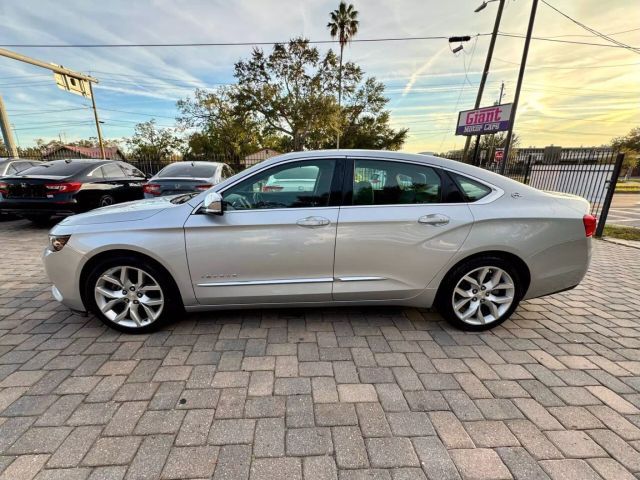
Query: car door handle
[(435, 219), (313, 222)]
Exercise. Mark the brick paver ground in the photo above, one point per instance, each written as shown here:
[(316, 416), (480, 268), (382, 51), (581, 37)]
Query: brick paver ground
[(380, 393)]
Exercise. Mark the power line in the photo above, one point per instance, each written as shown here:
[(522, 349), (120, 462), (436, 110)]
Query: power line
[(593, 30), (573, 42), (218, 44), (316, 42)]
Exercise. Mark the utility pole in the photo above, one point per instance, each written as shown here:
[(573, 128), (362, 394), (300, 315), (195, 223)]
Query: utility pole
[(7, 134), (523, 65), (95, 116), (485, 74), (73, 82)]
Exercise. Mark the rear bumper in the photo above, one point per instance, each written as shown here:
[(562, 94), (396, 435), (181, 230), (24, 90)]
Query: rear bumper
[(39, 207)]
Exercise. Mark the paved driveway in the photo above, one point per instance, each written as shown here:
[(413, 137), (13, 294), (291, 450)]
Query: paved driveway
[(625, 210), (321, 394)]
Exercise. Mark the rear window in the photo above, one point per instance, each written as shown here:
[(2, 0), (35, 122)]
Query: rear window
[(187, 170), (57, 168), (472, 190)]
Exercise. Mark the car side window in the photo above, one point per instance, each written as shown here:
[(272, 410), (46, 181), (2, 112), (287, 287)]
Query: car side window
[(112, 170), (472, 190), (11, 169), (382, 182), (293, 185)]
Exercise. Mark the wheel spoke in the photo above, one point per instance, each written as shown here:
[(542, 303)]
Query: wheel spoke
[(473, 308), (149, 288), (135, 316), (480, 316), (123, 275), (123, 313), (483, 275), (471, 280), (499, 300), (493, 309), (464, 293), (140, 279), (151, 302), (503, 286), (109, 293), (495, 278), (150, 313), (461, 303), (111, 279), (110, 304)]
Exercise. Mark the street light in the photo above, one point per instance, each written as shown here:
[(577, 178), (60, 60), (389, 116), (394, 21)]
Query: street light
[(484, 5)]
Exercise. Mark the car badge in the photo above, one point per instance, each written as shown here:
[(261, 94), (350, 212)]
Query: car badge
[(23, 185)]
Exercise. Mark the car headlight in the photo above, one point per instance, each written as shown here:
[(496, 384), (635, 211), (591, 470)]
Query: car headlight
[(57, 242)]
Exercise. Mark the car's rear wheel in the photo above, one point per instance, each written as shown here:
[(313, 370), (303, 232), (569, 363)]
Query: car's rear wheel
[(480, 294), (131, 295), (106, 200)]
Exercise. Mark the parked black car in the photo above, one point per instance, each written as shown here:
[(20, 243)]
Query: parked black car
[(66, 187)]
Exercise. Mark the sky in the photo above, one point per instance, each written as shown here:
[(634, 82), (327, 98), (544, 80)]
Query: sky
[(572, 95)]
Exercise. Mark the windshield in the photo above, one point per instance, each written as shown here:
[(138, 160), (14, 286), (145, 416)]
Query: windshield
[(57, 168), (187, 170)]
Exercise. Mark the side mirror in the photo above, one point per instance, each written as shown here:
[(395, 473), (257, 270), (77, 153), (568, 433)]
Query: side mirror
[(213, 204)]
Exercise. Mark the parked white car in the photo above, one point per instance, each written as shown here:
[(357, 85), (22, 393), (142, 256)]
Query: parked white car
[(428, 232)]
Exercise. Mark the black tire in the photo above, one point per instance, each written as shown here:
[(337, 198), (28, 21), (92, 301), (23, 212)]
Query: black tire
[(39, 220), (171, 309), (444, 300), (106, 200)]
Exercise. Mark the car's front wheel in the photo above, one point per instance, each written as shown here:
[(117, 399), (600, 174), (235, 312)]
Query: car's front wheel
[(480, 294), (131, 295)]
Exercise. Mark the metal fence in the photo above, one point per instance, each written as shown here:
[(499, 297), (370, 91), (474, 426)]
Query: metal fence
[(591, 173)]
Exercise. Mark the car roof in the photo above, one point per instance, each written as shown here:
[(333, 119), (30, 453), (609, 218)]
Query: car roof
[(195, 162), (86, 161)]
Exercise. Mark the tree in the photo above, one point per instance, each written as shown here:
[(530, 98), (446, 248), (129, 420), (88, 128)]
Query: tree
[(629, 144), (152, 143), (286, 100), (344, 26), (225, 129)]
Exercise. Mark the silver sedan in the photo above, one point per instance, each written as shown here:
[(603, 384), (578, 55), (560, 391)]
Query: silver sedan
[(371, 228)]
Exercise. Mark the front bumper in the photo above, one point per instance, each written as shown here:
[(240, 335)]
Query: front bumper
[(63, 269)]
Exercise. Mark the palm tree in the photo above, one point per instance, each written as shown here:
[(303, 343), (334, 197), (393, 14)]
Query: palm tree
[(344, 26)]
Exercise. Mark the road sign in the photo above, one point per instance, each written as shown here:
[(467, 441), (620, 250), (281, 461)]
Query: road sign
[(484, 120), (72, 84), (499, 155)]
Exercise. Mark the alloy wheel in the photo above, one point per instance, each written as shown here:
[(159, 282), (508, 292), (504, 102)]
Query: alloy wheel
[(129, 296), (106, 201), (483, 295)]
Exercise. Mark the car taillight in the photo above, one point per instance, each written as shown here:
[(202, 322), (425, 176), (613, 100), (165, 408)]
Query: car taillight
[(4, 188), (151, 188), (66, 187), (590, 223), (203, 187), (272, 188)]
